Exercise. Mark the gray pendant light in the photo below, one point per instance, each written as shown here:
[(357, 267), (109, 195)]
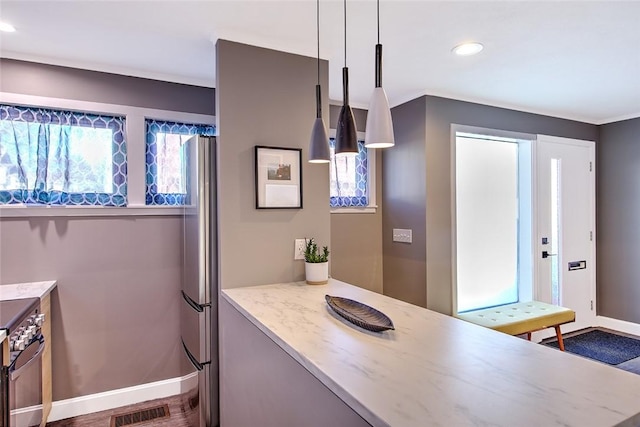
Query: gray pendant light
[(379, 130), (319, 144), (346, 136)]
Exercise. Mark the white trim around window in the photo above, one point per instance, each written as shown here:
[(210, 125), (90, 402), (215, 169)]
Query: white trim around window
[(371, 182), (135, 125)]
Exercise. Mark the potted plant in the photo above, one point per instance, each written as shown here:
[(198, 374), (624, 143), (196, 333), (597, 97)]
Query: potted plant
[(316, 265)]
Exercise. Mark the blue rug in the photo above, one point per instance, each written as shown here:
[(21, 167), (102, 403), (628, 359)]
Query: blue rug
[(602, 346)]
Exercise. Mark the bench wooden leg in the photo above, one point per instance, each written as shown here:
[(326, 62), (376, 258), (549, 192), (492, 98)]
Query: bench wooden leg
[(559, 335), (529, 336)]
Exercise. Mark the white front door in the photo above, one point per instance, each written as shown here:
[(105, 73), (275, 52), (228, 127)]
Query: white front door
[(565, 248)]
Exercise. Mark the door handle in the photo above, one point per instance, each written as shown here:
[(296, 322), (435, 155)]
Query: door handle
[(546, 254), (199, 366), (197, 307), (14, 371)]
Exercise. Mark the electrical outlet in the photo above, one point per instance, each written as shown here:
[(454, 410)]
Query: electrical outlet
[(299, 247)]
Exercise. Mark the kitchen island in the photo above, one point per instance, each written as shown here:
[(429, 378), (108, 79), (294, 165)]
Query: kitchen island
[(432, 370)]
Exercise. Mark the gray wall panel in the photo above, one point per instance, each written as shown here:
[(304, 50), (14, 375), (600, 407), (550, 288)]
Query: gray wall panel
[(265, 97), (357, 238), (356, 241), (435, 150), (115, 313), (618, 221), (403, 198), (31, 78)]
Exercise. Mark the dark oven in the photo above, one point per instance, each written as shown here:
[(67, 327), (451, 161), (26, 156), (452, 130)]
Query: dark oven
[(21, 391)]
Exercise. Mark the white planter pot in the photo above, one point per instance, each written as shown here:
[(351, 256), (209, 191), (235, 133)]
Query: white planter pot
[(317, 273)]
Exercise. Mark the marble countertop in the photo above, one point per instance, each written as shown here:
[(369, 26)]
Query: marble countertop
[(434, 369), (26, 290)]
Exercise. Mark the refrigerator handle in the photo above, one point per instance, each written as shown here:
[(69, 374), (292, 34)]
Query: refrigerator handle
[(197, 307), (199, 366)]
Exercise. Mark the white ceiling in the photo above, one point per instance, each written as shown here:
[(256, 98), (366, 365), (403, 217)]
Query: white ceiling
[(577, 60)]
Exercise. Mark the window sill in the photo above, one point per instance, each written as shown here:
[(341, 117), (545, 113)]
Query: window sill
[(22, 211), (367, 210)]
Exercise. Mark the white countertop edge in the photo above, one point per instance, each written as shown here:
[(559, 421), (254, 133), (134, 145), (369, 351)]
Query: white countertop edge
[(27, 290), (368, 415)]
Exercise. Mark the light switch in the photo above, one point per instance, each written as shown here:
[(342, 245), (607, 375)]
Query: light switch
[(402, 235)]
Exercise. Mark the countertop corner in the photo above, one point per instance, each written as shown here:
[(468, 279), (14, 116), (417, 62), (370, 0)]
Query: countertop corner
[(27, 290)]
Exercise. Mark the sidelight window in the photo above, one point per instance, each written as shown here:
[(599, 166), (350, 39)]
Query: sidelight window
[(492, 231)]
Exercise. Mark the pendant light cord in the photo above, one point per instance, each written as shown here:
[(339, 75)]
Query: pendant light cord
[(318, 35), (378, 51), (378, 21), (345, 33)]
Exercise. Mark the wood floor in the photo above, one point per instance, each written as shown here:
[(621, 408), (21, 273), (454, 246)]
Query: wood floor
[(103, 419)]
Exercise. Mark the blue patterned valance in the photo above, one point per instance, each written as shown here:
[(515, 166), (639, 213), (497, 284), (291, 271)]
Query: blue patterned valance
[(53, 157), (166, 164), (349, 187)]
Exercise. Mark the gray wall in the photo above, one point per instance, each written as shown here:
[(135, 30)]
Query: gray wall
[(115, 312), (618, 220), (31, 78), (440, 114), (403, 198), (356, 239), (358, 113), (265, 97)]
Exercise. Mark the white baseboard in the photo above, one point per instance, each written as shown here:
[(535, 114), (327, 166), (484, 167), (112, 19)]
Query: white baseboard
[(115, 398), (618, 325)]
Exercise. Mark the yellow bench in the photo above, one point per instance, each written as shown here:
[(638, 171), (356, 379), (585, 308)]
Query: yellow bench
[(522, 318)]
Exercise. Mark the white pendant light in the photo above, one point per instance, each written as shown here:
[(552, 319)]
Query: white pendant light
[(346, 136), (319, 144), (379, 130)]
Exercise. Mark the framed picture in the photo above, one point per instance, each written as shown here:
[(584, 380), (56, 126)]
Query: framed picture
[(278, 177)]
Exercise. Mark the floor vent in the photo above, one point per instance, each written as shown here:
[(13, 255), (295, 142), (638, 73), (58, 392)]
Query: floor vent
[(142, 416)]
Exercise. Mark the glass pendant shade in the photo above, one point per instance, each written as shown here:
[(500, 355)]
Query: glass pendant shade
[(346, 136), (379, 130), (319, 144)]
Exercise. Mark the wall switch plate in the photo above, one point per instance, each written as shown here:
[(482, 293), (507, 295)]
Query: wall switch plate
[(298, 251), (402, 235)]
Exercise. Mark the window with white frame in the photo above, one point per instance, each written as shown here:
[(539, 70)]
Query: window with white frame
[(493, 228), (56, 157), (349, 178), (166, 171)]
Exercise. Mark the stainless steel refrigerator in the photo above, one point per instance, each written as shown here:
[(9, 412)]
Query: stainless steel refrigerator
[(199, 299)]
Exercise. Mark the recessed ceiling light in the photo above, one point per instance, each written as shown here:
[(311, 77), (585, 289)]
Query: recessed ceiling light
[(6, 27), (466, 49)]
